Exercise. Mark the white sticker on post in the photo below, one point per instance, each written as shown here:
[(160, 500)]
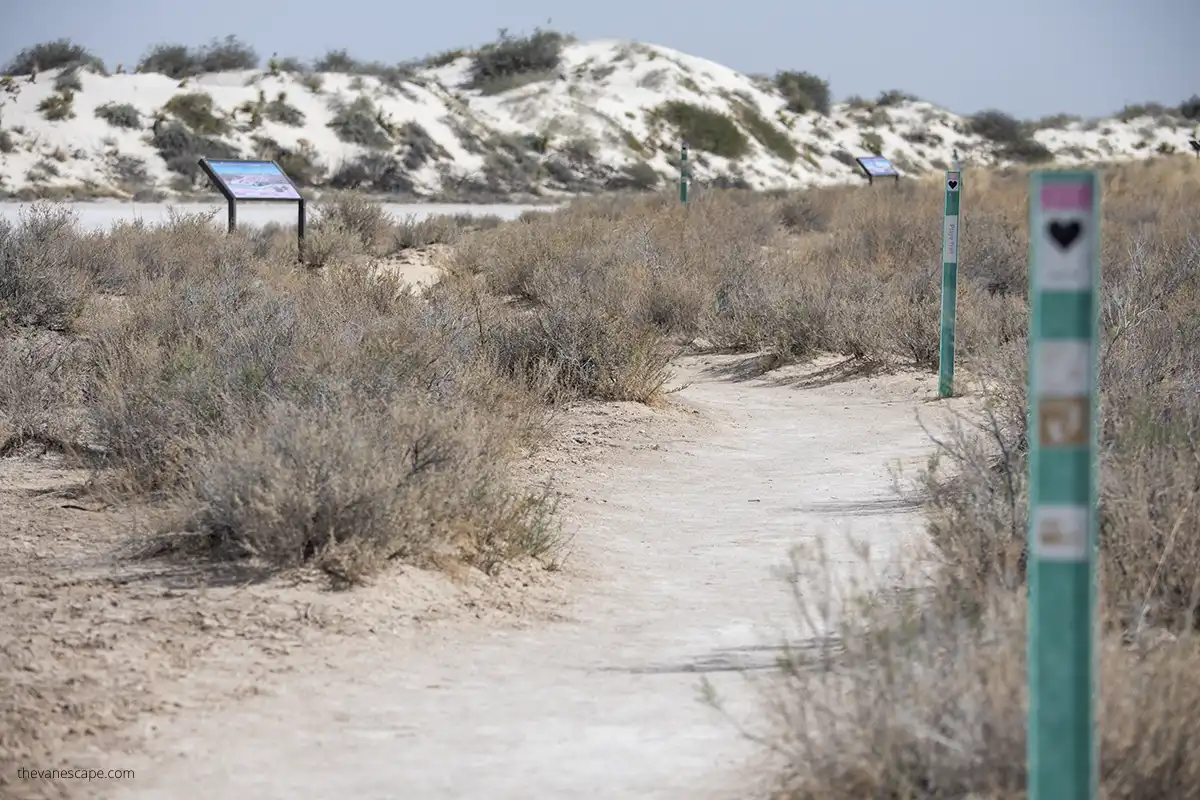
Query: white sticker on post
[(950, 240), (1063, 367), (1060, 533)]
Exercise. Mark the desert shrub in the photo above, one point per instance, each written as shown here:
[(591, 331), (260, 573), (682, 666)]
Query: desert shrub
[(227, 55), (58, 54), (444, 58), (894, 97), (287, 64), (420, 147), (704, 129), (43, 272), (279, 110), (181, 148), (301, 164), (996, 126), (68, 80), (850, 717), (128, 171), (1027, 150), (58, 106), (1014, 137), (1190, 108), (365, 220), (845, 157), (341, 61), (576, 351), (358, 123), (376, 172), (7, 143), (179, 61), (1056, 121), (120, 115), (329, 419), (508, 165), (196, 110), (409, 231), (872, 142), (766, 134), (510, 57), (173, 60), (804, 92), (799, 213), (326, 495), (337, 61), (639, 175), (313, 81), (1134, 111)]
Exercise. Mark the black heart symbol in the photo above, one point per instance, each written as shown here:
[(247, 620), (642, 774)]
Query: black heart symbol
[(953, 184), (1065, 233)]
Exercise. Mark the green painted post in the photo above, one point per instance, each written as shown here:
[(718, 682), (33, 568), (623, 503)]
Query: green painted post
[(949, 280), (683, 174), (1064, 289)]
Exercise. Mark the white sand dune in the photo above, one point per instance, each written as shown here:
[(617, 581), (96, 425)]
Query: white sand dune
[(575, 131)]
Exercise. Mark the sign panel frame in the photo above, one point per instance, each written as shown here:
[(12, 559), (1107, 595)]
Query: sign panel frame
[(256, 173), (877, 167)]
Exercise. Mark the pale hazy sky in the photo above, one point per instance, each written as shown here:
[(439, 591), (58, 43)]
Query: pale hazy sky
[(1027, 57)]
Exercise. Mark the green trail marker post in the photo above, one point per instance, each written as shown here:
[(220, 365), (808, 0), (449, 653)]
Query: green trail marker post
[(949, 280), (1064, 294), (683, 174)]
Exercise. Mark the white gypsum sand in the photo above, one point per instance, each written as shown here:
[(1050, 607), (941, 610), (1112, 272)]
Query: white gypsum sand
[(573, 131)]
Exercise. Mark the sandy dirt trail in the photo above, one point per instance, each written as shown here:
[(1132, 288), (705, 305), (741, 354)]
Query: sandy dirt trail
[(675, 549)]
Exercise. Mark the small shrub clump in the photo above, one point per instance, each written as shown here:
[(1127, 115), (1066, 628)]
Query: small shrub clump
[(359, 123), (281, 111), (1190, 108), (58, 54), (804, 92), (195, 109), (120, 115), (996, 126), (58, 106), (512, 57), (301, 164), (1014, 137), (376, 171), (179, 61), (68, 80), (767, 134), (181, 148), (340, 61), (704, 129), (873, 143)]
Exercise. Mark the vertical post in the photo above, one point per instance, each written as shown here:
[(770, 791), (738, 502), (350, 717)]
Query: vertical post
[(232, 215), (950, 216), (301, 222), (683, 174), (1064, 272)]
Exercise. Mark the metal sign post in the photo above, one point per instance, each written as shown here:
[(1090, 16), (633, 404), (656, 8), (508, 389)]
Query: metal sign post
[(683, 174), (1064, 274), (950, 217)]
